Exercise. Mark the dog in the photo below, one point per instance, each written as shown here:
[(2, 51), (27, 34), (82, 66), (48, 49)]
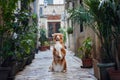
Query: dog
[(59, 62)]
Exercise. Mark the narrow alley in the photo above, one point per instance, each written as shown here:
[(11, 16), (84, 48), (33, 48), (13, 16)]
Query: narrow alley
[(89, 30), (39, 69)]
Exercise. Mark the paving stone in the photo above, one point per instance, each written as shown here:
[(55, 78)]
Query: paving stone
[(39, 69)]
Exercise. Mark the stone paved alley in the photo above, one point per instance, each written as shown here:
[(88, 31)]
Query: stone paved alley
[(38, 70)]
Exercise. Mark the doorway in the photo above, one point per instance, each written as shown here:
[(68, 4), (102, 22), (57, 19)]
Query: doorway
[(53, 27)]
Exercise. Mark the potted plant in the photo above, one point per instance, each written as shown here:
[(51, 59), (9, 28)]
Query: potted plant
[(85, 52), (47, 44), (9, 40), (95, 18), (70, 30), (112, 8), (7, 56), (106, 17), (42, 39), (63, 31)]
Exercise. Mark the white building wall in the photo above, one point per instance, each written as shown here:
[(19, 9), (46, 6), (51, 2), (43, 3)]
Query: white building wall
[(54, 1), (41, 1), (58, 1), (59, 9)]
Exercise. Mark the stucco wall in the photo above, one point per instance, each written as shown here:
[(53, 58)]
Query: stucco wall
[(48, 12), (54, 1), (59, 9)]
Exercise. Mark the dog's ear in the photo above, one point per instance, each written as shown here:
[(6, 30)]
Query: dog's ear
[(54, 34), (61, 35)]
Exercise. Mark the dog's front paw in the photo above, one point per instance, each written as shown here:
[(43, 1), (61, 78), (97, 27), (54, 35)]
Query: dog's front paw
[(64, 71), (50, 69)]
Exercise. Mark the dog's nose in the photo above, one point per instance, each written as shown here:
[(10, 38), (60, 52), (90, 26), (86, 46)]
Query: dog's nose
[(57, 39)]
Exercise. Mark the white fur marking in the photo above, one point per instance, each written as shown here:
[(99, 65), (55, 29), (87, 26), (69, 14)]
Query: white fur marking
[(57, 67), (58, 47)]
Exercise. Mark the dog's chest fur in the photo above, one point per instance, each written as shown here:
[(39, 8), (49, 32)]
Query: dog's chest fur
[(58, 46)]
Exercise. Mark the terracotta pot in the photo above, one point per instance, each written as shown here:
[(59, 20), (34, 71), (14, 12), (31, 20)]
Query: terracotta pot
[(48, 47), (114, 74), (43, 48), (87, 63)]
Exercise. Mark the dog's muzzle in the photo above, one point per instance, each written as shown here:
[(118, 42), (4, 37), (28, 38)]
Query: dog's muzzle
[(57, 39)]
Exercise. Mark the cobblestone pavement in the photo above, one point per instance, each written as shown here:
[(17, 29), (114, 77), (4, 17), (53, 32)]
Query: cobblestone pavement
[(38, 69)]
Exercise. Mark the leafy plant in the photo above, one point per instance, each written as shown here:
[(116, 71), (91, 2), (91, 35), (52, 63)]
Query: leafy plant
[(7, 29), (15, 34), (63, 31), (106, 14), (43, 37), (46, 43), (86, 48), (79, 14), (70, 30)]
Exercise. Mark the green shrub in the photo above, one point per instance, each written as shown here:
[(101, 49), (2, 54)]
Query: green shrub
[(70, 30)]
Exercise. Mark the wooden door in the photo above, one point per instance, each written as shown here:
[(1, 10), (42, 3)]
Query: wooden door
[(53, 27)]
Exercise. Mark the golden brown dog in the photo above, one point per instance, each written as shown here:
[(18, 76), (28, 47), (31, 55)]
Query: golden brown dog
[(59, 53)]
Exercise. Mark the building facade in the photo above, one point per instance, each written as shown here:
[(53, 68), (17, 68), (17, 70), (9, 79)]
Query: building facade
[(51, 16)]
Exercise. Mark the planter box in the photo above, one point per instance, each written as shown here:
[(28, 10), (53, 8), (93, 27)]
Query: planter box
[(29, 59), (13, 70), (114, 74), (4, 72), (96, 69), (23, 63), (103, 70)]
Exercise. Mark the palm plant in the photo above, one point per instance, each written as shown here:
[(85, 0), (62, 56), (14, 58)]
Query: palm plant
[(103, 28), (79, 14), (106, 14)]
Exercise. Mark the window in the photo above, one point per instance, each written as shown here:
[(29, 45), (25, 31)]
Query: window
[(81, 27), (80, 1), (72, 23), (49, 1), (41, 11), (73, 5)]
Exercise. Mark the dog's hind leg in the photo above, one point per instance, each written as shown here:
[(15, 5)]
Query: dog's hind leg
[(64, 67)]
